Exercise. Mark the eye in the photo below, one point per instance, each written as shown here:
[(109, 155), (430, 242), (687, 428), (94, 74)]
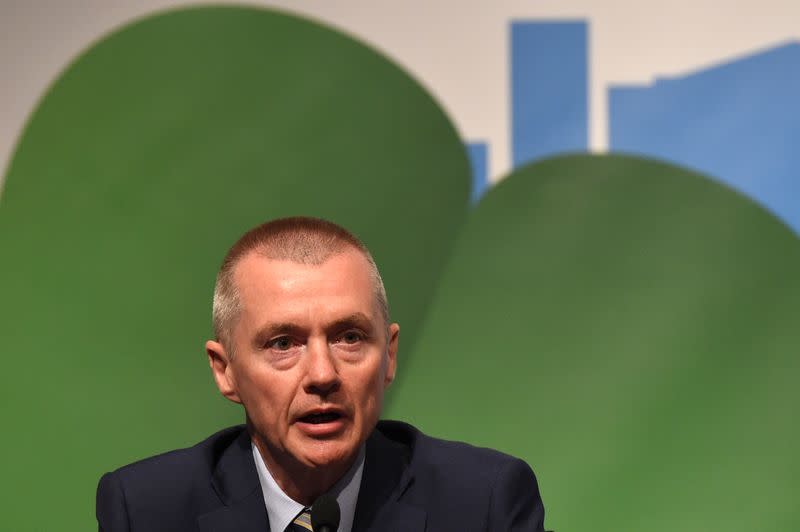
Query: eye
[(352, 337), (281, 343)]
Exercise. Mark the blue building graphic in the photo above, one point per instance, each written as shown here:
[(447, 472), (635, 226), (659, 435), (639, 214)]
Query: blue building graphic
[(549, 89), (478, 153), (738, 122)]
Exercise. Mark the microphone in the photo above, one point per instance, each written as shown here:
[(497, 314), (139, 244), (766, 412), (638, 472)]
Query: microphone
[(325, 514)]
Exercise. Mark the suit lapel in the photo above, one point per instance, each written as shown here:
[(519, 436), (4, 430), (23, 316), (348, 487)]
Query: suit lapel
[(246, 515), (386, 478), (380, 507), (400, 517), (236, 482)]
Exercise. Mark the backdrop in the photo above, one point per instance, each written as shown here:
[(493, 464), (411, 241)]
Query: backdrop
[(597, 273)]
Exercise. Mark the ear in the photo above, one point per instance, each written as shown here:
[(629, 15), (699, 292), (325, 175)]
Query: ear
[(391, 351), (222, 370)]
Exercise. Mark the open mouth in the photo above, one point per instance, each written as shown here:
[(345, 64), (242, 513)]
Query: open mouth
[(321, 417)]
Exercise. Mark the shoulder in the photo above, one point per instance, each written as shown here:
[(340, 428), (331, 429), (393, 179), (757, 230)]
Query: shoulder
[(427, 453), (488, 487), (159, 486), (200, 458)]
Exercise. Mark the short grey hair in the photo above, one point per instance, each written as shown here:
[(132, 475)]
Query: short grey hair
[(299, 239)]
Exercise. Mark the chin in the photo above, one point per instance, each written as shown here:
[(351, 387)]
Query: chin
[(329, 452)]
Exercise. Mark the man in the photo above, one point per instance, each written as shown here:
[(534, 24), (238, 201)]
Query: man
[(305, 344)]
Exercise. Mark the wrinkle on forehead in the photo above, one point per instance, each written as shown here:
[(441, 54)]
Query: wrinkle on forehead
[(289, 276), (259, 277)]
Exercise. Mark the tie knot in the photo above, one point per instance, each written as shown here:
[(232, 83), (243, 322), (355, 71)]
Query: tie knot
[(301, 523)]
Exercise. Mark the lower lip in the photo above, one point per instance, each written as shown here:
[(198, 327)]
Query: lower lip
[(321, 430)]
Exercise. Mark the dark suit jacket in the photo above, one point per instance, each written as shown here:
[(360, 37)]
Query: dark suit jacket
[(411, 483)]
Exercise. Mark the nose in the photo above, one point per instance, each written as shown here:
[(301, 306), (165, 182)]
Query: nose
[(322, 377)]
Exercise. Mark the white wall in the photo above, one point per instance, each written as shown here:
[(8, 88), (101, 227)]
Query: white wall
[(458, 49)]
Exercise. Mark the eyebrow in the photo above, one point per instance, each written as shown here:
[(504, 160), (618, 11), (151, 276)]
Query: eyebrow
[(271, 330), (356, 319)]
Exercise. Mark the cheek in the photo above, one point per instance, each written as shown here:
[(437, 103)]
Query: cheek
[(265, 394), (370, 391)]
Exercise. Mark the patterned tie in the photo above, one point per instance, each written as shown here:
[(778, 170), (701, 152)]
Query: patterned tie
[(301, 523)]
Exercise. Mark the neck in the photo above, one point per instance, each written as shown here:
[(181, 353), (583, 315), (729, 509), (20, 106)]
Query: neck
[(300, 482)]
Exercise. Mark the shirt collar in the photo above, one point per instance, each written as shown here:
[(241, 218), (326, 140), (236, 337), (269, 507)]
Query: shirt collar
[(282, 509)]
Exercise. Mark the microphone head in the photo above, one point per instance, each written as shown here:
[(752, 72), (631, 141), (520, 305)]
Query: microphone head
[(325, 514)]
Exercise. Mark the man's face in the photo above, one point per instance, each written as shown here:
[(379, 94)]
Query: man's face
[(313, 357)]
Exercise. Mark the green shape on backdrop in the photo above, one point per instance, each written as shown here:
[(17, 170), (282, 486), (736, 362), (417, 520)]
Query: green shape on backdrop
[(624, 325), (144, 162), (630, 329)]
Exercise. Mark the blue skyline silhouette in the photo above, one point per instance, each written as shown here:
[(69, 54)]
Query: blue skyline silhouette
[(549, 89), (735, 121), (738, 122)]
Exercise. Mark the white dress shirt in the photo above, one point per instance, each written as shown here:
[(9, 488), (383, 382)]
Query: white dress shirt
[(282, 509)]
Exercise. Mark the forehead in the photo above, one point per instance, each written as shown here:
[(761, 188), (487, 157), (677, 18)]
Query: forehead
[(275, 288)]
